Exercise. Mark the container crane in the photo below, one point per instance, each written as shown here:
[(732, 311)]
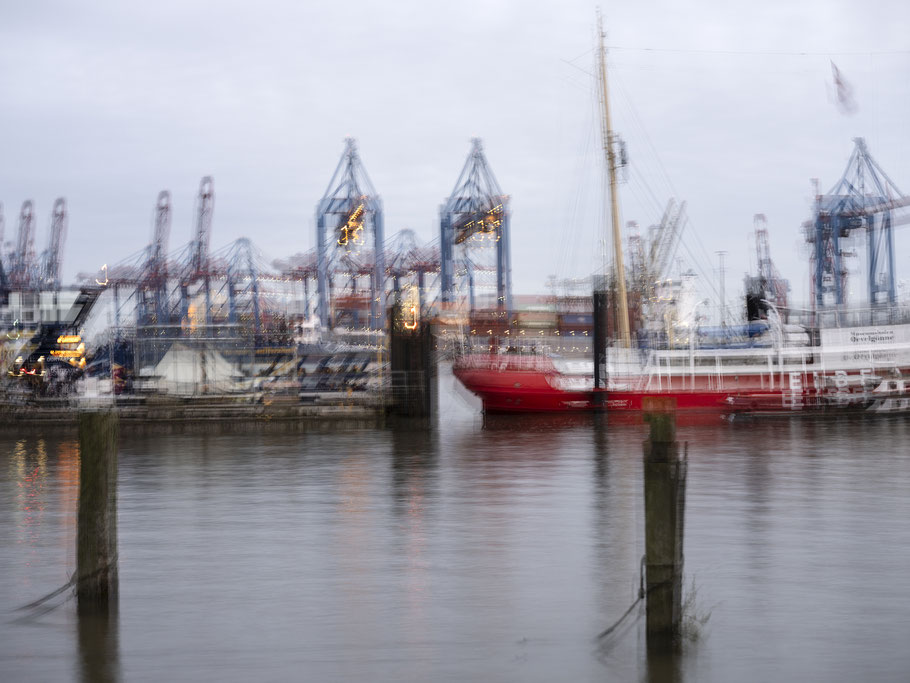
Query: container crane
[(241, 265), (349, 221), (197, 266), (4, 282), (155, 272), (476, 214), (862, 199), (23, 261), (768, 285), (664, 239), (200, 248), (52, 258)]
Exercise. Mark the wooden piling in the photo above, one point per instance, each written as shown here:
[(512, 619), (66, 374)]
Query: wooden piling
[(600, 343), (664, 476), (96, 542)]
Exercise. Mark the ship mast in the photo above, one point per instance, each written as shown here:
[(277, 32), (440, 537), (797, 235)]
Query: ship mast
[(607, 133)]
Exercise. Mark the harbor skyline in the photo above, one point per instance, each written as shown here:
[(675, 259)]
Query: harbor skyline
[(732, 109)]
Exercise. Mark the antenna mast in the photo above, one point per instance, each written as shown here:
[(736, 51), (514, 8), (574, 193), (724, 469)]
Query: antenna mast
[(607, 133)]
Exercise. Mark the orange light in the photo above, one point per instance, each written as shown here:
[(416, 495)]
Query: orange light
[(66, 353), (413, 324)]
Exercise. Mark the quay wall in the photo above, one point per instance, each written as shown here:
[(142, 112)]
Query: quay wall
[(214, 414)]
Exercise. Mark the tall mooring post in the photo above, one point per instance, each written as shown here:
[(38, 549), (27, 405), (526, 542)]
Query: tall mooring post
[(413, 370), (600, 341), (96, 541), (665, 496)]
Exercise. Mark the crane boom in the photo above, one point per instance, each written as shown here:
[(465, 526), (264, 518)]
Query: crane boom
[(24, 256), (158, 251), (53, 256), (200, 254), (4, 283)]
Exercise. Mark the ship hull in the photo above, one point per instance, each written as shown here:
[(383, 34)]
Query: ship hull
[(525, 385), (521, 391)]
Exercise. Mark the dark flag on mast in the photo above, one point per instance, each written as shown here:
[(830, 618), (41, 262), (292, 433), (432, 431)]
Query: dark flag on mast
[(843, 92)]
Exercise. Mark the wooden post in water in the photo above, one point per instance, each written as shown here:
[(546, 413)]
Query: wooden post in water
[(600, 343), (96, 540), (665, 494)]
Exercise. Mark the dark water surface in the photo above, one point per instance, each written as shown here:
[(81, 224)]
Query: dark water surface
[(474, 553)]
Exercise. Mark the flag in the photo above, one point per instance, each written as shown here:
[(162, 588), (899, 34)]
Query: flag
[(843, 92)]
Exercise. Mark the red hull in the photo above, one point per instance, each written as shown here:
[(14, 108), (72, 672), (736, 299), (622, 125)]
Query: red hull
[(523, 385), (521, 391)]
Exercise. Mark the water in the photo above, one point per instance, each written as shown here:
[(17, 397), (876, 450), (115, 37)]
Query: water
[(478, 552)]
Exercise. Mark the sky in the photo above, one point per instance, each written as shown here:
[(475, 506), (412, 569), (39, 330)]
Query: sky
[(726, 105)]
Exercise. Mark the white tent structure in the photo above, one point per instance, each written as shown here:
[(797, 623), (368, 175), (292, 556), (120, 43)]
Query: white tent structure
[(186, 371)]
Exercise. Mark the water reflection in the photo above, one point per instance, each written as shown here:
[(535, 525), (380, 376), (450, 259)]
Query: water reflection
[(544, 422), (664, 664), (492, 551), (414, 461), (99, 648)]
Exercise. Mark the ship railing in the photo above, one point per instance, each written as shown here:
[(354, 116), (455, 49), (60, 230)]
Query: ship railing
[(667, 368), (507, 361), (840, 316)]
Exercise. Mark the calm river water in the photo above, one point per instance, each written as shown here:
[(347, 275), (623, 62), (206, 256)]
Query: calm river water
[(477, 552)]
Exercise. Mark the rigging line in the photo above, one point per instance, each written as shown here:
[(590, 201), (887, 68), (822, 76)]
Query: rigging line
[(696, 262), (637, 121), (583, 86), (583, 184), (663, 175), (643, 192), (699, 265), (702, 273), (662, 169), (569, 244), (637, 178), (642, 199), (693, 232), (675, 193), (575, 66), (761, 53), (699, 69), (586, 53), (593, 185)]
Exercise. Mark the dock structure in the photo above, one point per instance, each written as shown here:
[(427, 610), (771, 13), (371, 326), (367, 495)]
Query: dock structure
[(243, 320), (411, 364), (340, 410)]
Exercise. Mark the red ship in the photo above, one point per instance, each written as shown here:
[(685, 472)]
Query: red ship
[(835, 361), (829, 377)]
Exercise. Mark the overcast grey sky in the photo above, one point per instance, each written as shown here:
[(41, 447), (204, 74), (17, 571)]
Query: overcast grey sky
[(723, 104)]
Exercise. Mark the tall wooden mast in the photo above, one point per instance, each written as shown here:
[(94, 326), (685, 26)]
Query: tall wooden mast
[(622, 312)]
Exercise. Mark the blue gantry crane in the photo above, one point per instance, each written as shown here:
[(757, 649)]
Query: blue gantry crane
[(349, 223), (22, 267), (242, 268), (475, 217), (4, 282), (196, 267), (52, 257), (154, 293), (862, 199)]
